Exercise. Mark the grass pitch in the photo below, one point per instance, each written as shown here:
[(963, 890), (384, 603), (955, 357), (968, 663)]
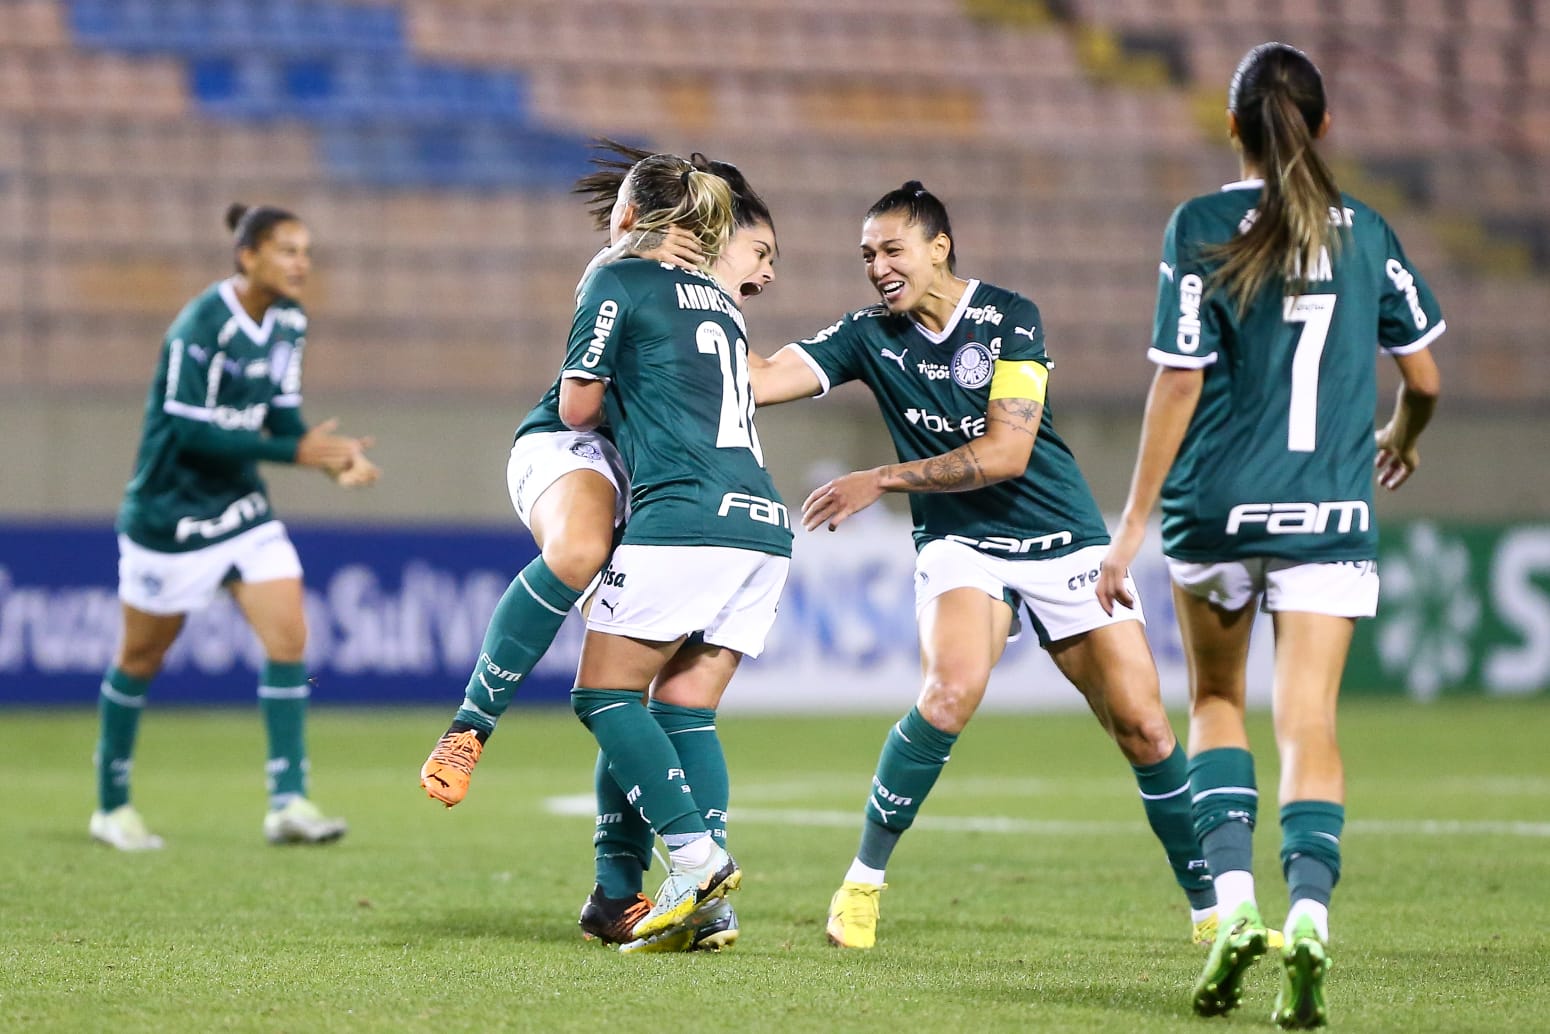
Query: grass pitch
[(1030, 896)]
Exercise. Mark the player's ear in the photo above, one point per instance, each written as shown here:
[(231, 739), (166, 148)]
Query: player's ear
[(628, 215)]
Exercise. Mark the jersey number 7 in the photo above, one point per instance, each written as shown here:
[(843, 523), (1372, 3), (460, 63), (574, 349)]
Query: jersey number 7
[(1314, 312)]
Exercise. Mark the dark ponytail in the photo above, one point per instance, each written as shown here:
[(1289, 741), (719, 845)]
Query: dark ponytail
[(614, 160), (1277, 97), (921, 208)]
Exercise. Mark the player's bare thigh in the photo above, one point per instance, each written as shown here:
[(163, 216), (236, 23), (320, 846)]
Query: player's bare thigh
[(276, 611), (962, 636), (147, 638), (573, 524), (1216, 647), (1113, 668), (697, 675)]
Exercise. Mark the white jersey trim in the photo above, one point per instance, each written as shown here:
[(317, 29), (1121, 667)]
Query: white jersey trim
[(812, 364), (1248, 184), (1180, 362), (203, 414), (937, 337), (258, 334), (1420, 342), (286, 401), (581, 375)]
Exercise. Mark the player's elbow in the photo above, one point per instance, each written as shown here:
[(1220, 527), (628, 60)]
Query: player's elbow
[(1006, 458), (579, 417), (581, 404)]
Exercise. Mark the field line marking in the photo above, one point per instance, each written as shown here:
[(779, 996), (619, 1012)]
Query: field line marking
[(584, 805)]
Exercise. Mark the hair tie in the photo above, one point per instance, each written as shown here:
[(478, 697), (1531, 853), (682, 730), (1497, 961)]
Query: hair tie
[(684, 179)]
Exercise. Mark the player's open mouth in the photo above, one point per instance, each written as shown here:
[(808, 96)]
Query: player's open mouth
[(891, 289), (749, 289)]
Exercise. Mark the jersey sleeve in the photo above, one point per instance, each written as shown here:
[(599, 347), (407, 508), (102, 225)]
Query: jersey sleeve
[(194, 371), (1409, 317), (284, 420), (602, 305), (1022, 367), (1182, 332), (831, 353)]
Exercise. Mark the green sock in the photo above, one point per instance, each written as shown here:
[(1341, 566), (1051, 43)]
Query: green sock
[(641, 757), (1310, 848), (282, 699), (1224, 803), (912, 758), (525, 622), (693, 732), (1165, 796), (621, 843), (121, 698)]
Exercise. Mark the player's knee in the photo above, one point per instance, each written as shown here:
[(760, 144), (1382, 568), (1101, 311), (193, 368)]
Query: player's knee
[(140, 661), (1145, 739), (576, 559), (948, 701)]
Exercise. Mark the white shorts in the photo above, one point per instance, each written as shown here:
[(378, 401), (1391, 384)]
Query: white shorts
[(659, 593), (179, 583), (540, 459), (1059, 593), (1344, 590)]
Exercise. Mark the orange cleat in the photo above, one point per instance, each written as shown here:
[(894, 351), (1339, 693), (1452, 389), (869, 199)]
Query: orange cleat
[(446, 772)]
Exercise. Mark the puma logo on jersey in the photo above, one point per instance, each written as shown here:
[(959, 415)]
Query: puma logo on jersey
[(1165, 269), (1026, 332), (896, 357)]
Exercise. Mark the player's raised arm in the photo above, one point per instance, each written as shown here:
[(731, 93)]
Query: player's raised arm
[(783, 377)]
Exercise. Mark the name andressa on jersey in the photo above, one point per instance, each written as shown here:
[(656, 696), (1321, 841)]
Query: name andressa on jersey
[(703, 298)]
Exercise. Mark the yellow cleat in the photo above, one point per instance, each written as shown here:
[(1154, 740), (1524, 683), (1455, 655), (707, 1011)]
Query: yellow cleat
[(853, 914), (446, 772), (1203, 935)]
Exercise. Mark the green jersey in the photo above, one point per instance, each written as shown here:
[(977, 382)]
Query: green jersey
[(934, 389), (227, 394), (1278, 457), (672, 346)]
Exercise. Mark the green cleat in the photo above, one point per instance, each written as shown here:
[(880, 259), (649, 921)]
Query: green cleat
[(1304, 961), (1241, 939)]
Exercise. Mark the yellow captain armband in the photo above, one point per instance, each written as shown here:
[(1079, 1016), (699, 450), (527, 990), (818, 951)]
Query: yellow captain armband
[(1019, 379)]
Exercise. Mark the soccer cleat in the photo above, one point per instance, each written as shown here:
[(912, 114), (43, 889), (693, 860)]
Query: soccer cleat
[(718, 929), (685, 890), (711, 927), (853, 914), (300, 822), (446, 772), (124, 829), (610, 920), (1203, 934), (1240, 940), (1304, 961)]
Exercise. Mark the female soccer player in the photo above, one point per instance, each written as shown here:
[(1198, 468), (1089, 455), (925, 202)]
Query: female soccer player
[(196, 515), (708, 542), (571, 490), (959, 370), (1259, 438)]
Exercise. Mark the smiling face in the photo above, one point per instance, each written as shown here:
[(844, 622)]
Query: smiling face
[(280, 264), (747, 264), (901, 263)]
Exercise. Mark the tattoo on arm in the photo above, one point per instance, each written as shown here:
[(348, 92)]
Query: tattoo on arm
[(1021, 415), (956, 471)]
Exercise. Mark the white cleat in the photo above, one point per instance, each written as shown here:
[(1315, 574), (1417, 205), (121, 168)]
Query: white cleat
[(124, 829), (300, 822)]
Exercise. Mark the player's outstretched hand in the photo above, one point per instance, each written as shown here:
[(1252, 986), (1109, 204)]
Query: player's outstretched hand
[(674, 245), (1116, 566), (360, 473), (833, 502), (1394, 465), (331, 453)]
